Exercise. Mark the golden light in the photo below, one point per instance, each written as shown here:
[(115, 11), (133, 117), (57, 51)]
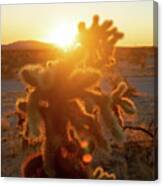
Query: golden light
[(87, 158), (63, 36), (84, 144)]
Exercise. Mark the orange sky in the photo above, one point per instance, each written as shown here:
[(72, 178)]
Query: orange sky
[(40, 21)]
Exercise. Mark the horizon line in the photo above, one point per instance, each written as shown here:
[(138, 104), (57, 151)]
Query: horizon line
[(124, 46)]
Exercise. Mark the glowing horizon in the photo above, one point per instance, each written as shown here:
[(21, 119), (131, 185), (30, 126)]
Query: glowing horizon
[(40, 21), (67, 38)]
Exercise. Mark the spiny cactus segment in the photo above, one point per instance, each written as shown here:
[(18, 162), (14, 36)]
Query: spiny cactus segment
[(98, 41)]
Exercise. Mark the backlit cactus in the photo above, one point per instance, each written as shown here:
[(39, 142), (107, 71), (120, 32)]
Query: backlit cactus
[(99, 173), (61, 106), (107, 105), (59, 94), (98, 41)]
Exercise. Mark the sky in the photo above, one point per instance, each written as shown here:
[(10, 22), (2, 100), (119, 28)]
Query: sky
[(41, 21)]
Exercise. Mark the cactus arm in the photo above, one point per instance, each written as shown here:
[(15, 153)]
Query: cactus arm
[(128, 105), (81, 79), (33, 114), (80, 117)]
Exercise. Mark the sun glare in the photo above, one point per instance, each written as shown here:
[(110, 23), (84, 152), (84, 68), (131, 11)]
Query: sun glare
[(63, 36)]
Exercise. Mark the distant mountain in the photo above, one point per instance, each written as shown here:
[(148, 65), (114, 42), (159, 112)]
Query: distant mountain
[(28, 45)]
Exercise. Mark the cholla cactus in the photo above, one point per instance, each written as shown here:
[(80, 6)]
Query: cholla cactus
[(98, 41), (57, 95), (109, 106), (52, 98)]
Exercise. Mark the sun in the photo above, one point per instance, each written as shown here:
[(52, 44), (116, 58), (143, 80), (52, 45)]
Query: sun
[(64, 36)]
